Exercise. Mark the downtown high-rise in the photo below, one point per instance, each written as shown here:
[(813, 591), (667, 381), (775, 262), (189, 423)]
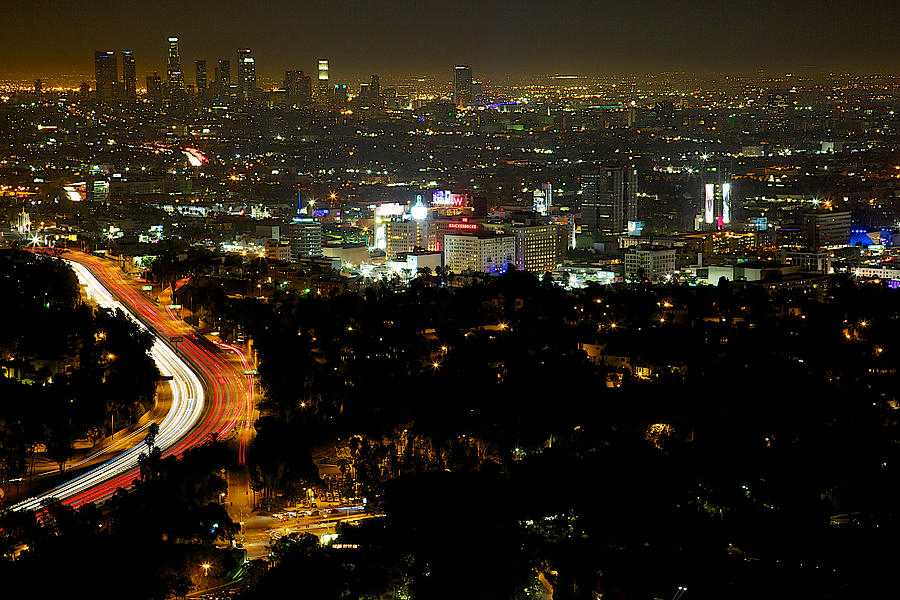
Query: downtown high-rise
[(246, 81), (609, 200), (129, 75), (462, 85), (106, 74), (176, 75)]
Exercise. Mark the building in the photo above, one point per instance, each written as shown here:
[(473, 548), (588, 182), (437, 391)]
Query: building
[(542, 198), (176, 75), (323, 89), (129, 75), (223, 77), (298, 86), (339, 95), (822, 229), (462, 85), (537, 248), (200, 76), (276, 250), (350, 255), (483, 251), (106, 74), (807, 260), (715, 196), (305, 238), (246, 74), (154, 86), (411, 262), (609, 201), (375, 99), (646, 262), (403, 236)]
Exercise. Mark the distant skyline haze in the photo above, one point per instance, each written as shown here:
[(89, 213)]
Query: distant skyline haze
[(45, 38)]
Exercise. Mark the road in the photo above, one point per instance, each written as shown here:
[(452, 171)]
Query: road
[(209, 394)]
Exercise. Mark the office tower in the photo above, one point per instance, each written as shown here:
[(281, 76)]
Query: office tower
[(38, 86), (106, 73), (298, 86), (246, 74), (716, 196), (403, 236), (222, 81), (365, 96), (154, 86), (477, 93), (305, 238), (537, 248), (323, 89), (176, 76), (462, 85), (200, 71), (823, 229), (375, 99), (339, 95), (129, 76), (609, 200)]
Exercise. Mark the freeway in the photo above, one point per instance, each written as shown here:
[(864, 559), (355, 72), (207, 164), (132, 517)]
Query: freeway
[(210, 396)]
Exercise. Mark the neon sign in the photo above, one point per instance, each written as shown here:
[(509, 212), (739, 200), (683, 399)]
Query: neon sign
[(462, 225)]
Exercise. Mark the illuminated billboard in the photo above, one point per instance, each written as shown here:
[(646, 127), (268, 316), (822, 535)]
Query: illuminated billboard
[(726, 203), (447, 198), (710, 204)]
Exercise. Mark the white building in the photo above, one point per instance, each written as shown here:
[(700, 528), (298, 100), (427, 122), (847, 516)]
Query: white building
[(485, 252), (649, 262)]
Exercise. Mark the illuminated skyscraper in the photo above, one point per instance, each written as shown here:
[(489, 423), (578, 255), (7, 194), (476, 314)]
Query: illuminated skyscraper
[(106, 73), (176, 76), (609, 200), (129, 76), (246, 74), (323, 90), (200, 70), (462, 85)]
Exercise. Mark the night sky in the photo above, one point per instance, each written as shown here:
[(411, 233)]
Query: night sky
[(44, 38)]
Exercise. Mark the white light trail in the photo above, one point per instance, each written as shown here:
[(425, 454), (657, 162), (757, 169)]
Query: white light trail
[(187, 406)]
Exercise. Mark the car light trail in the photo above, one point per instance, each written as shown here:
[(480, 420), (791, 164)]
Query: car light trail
[(187, 408), (208, 398)]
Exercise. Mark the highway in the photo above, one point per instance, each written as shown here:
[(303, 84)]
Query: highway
[(210, 396)]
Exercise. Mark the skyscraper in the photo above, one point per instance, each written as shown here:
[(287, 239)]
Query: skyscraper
[(246, 74), (129, 76), (323, 90), (375, 92), (609, 200), (200, 70), (106, 73), (298, 86), (154, 86), (462, 85), (176, 76), (223, 77)]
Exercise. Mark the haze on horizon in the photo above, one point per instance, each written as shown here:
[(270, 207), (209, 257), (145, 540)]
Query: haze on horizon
[(46, 38)]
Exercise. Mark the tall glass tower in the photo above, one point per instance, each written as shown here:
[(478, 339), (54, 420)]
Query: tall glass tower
[(176, 76)]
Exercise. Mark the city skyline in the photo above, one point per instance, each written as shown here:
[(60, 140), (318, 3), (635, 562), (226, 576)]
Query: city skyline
[(427, 38)]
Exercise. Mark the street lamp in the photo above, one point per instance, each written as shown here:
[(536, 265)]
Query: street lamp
[(206, 567)]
